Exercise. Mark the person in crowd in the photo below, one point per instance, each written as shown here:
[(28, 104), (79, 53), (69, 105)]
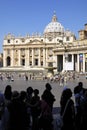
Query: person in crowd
[(29, 96), (25, 107), (79, 91), (8, 94), (67, 110), (80, 98), (35, 109), (83, 122), (4, 114), (48, 96), (78, 111), (29, 92), (18, 112), (82, 89), (46, 117)]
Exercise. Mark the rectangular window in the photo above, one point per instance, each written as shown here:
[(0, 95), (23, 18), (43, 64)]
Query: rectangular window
[(23, 62), (36, 61)]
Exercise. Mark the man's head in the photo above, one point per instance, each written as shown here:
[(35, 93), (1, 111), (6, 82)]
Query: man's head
[(48, 86)]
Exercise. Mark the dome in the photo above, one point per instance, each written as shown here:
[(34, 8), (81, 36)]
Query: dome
[(54, 26)]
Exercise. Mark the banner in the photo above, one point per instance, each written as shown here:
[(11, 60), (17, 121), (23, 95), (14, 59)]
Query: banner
[(81, 57)]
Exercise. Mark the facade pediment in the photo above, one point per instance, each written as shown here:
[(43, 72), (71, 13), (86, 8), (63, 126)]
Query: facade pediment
[(35, 42)]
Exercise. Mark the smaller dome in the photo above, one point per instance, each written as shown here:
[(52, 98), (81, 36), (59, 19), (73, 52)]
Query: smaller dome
[(54, 26), (68, 33)]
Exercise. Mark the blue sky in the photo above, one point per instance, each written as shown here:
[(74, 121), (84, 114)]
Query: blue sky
[(21, 17)]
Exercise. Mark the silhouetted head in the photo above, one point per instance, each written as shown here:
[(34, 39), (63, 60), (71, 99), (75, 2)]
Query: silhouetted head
[(80, 84), (15, 95), (67, 93), (22, 95), (8, 92), (36, 91), (30, 90), (48, 86), (8, 88)]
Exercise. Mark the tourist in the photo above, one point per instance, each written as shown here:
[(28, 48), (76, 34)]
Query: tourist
[(80, 98), (35, 109), (48, 96), (46, 117), (67, 110), (8, 95), (18, 112), (83, 122), (4, 114)]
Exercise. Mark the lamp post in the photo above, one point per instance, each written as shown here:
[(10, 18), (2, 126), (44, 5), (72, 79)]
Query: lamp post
[(66, 57)]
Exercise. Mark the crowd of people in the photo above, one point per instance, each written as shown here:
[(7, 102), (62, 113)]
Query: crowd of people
[(26, 110)]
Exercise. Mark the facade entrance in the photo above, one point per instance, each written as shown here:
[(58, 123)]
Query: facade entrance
[(8, 61), (59, 63)]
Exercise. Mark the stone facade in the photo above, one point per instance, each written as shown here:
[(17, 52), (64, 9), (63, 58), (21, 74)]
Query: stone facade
[(57, 49)]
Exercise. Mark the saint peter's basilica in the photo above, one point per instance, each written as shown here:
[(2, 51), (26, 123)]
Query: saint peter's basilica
[(56, 50)]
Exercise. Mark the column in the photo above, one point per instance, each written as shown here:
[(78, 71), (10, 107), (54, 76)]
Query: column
[(83, 62), (27, 57), (4, 58), (63, 62), (39, 58), (44, 58), (19, 58), (73, 60), (77, 62), (32, 57), (12, 57), (55, 61)]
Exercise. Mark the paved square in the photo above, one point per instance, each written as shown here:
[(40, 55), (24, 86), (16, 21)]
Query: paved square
[(20, 83)]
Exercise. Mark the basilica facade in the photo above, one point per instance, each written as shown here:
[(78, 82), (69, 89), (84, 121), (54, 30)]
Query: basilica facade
[(55, 50)]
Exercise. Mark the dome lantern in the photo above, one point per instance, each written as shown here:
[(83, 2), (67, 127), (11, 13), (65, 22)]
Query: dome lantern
[(54, 18)]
